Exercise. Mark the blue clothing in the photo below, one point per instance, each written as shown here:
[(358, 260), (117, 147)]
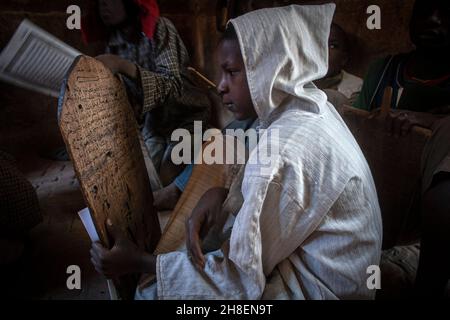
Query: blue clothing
[(182, 180)]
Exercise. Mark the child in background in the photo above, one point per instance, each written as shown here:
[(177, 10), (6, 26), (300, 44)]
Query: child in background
[(420, 82), (147, 50)]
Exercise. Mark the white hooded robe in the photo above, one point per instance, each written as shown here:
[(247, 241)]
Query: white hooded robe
[(310, 225)]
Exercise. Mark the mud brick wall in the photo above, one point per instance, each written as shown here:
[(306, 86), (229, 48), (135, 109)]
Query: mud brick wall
[(28, 120)]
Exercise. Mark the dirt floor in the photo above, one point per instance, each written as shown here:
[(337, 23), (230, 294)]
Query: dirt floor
[(60, 240)]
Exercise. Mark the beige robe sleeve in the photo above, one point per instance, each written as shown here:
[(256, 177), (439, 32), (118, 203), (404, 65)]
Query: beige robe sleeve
[(262, 241)]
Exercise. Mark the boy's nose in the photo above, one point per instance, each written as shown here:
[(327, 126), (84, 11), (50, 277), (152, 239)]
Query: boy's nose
[(435, 18), (222, 87)]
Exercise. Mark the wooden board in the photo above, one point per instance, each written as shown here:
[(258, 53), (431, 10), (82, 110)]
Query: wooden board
[(395, 165), (101, 135)]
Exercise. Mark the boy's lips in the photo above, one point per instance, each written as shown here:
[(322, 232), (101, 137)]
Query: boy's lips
[(230, 106), (430, 34)]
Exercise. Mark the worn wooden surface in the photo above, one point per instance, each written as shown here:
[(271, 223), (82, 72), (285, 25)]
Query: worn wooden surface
[(101, 135), (395, 165)]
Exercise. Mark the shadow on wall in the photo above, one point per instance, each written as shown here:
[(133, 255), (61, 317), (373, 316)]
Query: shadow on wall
[(27, 119)]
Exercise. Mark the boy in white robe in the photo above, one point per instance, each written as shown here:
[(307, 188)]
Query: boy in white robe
[(310, 224)]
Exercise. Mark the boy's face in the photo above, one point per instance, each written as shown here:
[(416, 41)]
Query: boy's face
[(430, 24), (233, 86), (338, 55), (112, 12)]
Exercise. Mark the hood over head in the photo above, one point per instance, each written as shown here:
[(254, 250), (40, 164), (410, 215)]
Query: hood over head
[(285, 49)]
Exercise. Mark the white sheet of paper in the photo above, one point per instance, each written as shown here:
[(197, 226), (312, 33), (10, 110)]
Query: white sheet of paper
[(36, 60), (86, 219), (85, 216)]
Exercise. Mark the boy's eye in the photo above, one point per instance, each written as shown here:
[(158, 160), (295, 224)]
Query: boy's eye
[(334, 46), (233, 72)]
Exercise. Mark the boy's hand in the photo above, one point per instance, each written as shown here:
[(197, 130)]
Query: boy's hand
[(400, 123), (118, 65), (205, 215), (123, 258)]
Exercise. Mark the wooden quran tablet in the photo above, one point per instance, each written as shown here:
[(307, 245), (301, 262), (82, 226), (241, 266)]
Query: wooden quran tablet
[(101, 135)]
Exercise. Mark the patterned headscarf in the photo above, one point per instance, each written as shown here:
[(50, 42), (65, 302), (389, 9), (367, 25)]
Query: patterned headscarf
[(93, 29)]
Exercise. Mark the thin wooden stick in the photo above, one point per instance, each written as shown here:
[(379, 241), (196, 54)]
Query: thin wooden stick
[(202, 77), (386, 102)]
